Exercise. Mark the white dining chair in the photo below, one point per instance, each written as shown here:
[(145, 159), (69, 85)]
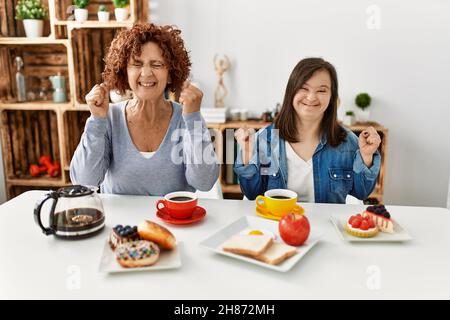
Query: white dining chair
[(214, 193)]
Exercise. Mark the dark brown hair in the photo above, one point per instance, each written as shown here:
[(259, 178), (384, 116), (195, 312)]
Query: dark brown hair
[(286, 122), (128, 43)]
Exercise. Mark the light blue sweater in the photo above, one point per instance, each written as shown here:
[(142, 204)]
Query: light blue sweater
[(107, 157)]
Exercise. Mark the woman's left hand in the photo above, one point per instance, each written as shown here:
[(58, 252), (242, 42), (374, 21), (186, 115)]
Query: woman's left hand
[(190, 97), (369, 141)]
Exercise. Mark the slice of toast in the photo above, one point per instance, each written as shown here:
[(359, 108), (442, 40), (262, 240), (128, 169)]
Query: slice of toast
[(249, 245), (276, 253)]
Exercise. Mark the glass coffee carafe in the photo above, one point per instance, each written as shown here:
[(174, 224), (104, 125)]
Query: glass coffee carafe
[(76, 212)]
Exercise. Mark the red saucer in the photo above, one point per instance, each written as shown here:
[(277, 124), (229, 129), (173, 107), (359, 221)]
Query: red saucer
[(198, 215)]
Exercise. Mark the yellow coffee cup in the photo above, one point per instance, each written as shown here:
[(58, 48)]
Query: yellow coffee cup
[(277, 202)]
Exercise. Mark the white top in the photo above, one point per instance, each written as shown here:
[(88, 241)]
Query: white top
[(37, 266), (147, 155), (300, 175)]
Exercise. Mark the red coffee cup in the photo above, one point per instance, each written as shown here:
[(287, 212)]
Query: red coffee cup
[(179, 205)]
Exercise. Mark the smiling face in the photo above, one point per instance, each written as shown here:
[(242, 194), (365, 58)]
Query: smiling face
[(313, 98), (147, 73)]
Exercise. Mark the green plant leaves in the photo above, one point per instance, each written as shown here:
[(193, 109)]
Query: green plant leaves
[(81, 4), (121, 3), (31, 9), (363, 100)]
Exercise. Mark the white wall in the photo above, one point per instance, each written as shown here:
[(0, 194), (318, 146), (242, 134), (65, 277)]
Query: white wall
[(404, 65)]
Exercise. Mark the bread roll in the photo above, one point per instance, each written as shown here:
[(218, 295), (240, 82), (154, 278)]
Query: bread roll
[(152, 231)]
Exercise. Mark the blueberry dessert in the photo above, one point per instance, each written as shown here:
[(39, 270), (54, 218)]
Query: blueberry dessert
[(379, 210), (123, 234), (381, 217)]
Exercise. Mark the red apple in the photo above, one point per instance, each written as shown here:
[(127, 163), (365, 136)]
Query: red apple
[(294, 229)]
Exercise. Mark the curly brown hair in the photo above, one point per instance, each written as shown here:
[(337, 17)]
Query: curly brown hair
[(128, 43)]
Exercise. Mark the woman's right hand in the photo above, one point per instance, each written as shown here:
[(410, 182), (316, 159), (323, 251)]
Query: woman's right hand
[(98, 100), (245, 137)]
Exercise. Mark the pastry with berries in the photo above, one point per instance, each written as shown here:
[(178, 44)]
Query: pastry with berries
[(381, 217), (121, 234), (360, 226)]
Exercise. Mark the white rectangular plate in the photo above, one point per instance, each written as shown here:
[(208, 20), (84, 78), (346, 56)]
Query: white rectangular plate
[(167, 260), (215, 241), (339, 221)]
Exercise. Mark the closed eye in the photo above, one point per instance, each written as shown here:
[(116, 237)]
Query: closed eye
[(135, 63), (157, 65)]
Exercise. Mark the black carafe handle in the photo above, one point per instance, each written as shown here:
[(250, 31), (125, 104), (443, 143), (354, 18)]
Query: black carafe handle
[(37, 212)]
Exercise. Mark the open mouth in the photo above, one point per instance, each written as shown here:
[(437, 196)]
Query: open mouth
[(147, 84), (311, 105)]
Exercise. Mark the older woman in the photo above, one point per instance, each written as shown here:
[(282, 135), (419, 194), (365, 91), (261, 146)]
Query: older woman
[(146, 145), (306, 150)]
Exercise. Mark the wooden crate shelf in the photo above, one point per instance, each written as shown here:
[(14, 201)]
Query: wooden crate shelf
[(94, 24), (137, 9), (15, 190), (88, 64), (9, 26), (41, 182), (40, 62), (38, 105), (32, 41), (74, 122), (81, 107), (26, 136), (63, 14), (234, 190)]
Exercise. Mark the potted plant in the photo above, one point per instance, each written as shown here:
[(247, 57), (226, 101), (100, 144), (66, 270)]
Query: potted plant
[(103, 14), (81, 13), (121, 9), (348, 118), (363, 101), (33, 14)]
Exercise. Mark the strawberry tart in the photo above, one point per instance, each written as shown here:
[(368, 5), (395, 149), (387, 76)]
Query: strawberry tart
[(360, 226), (381, 217)]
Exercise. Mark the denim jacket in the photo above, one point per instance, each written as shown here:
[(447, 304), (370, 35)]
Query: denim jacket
[(338, 171)]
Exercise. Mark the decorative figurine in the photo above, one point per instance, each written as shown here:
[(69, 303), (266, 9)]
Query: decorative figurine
[(222, 64)]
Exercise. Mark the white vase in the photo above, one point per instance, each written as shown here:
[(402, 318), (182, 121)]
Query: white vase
[(347, 120), (121, 14), (81, 15), (103, 16), (33, 28), (363, 115)]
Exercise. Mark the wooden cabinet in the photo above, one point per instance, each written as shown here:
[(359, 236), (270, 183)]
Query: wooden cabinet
[(39, 126), (233, 190)]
